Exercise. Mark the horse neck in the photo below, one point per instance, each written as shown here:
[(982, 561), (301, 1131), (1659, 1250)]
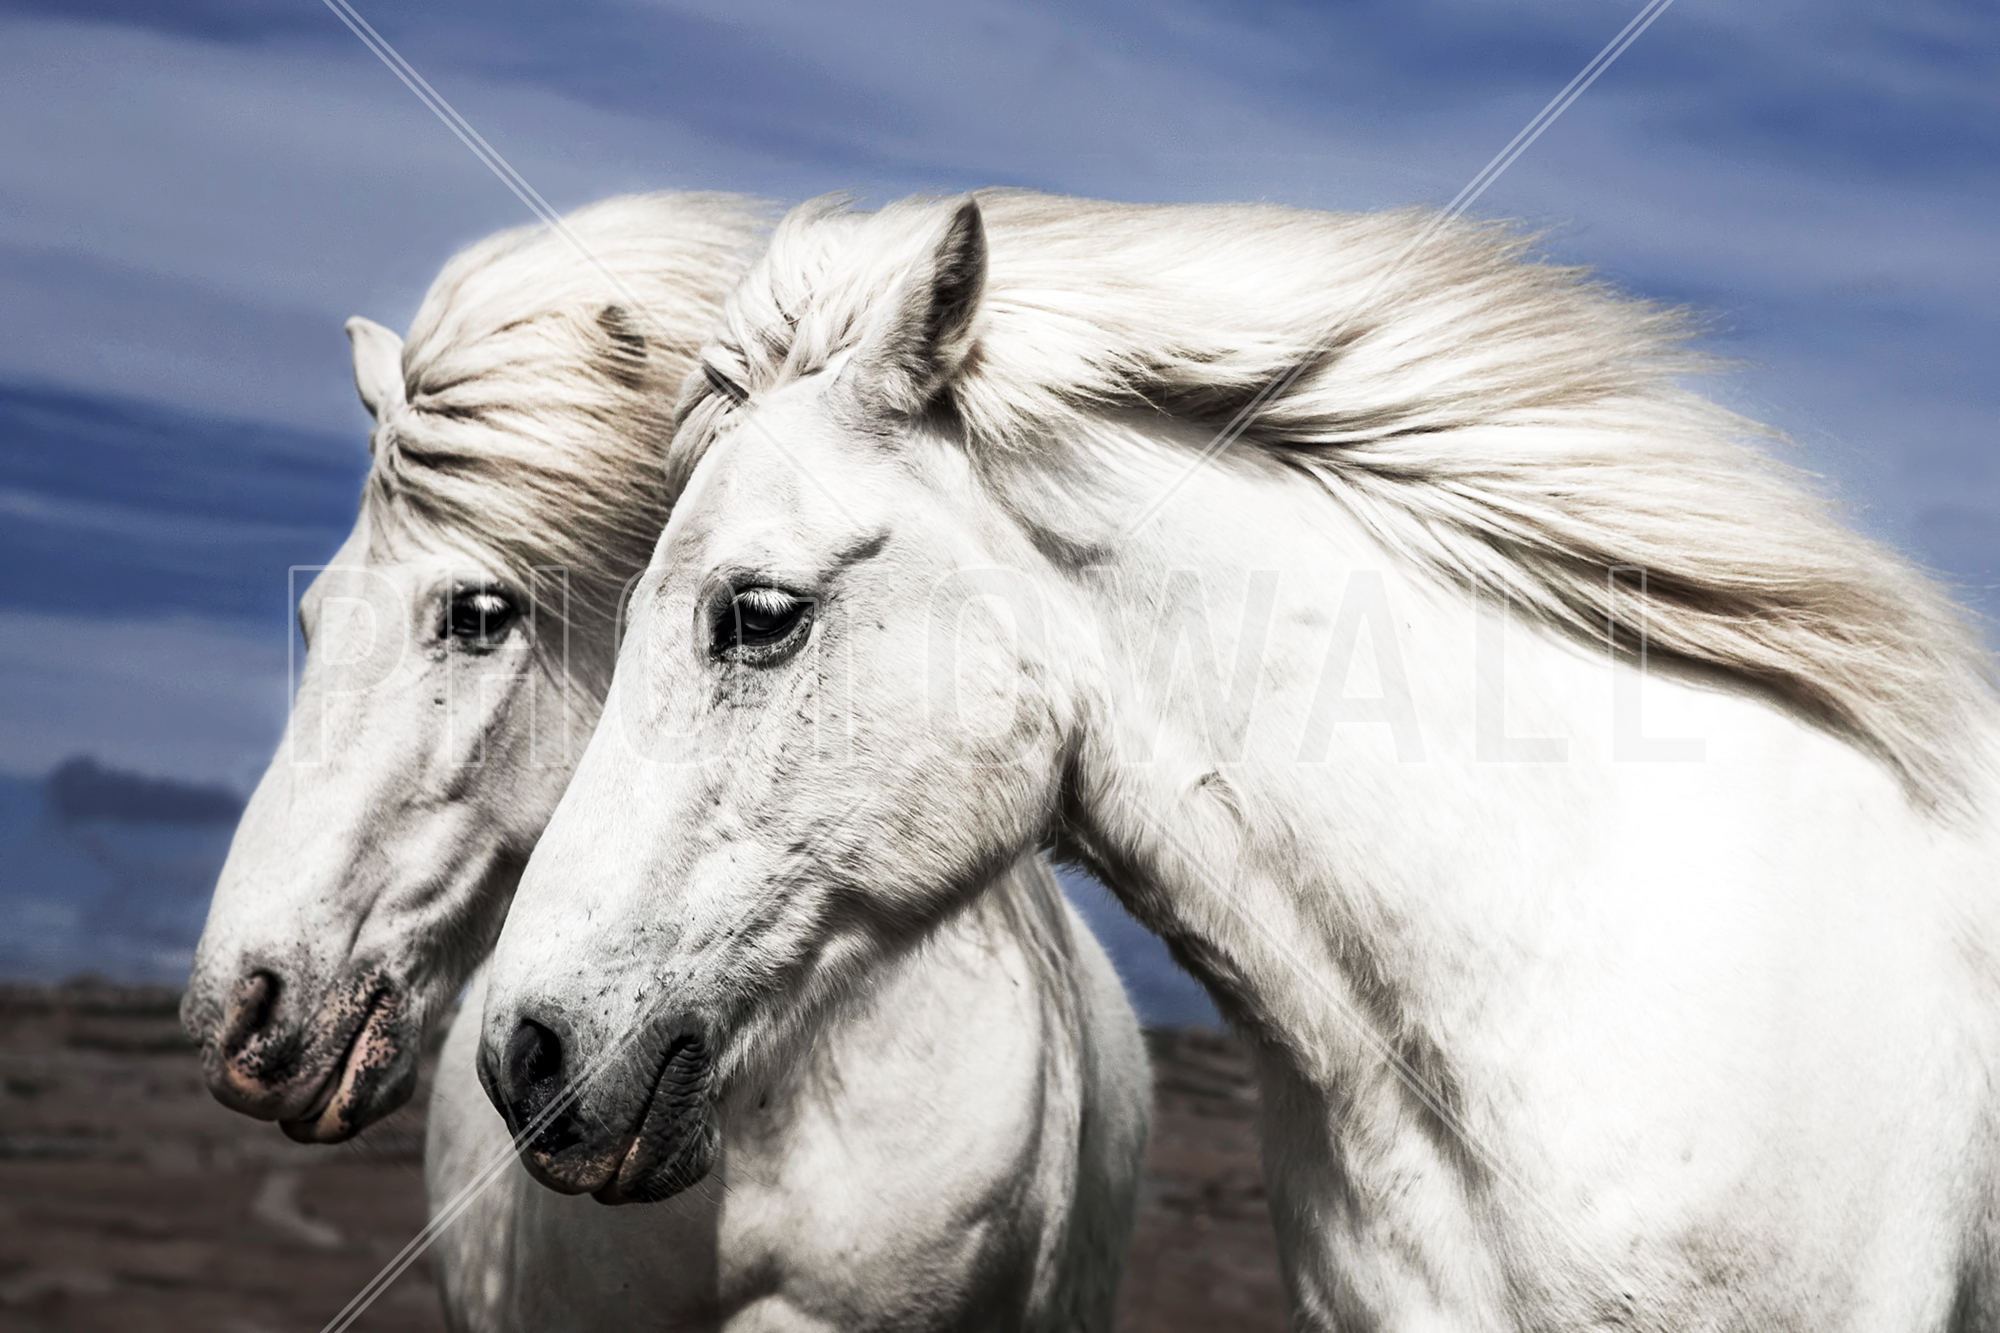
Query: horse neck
[(1358, 831)]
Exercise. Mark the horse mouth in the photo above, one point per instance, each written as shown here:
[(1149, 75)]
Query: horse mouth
[(363, 1080), (257, 1061), (673, 1144)]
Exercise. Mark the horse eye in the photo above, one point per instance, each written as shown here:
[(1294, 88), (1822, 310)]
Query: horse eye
[(757, 624), (480, 618)]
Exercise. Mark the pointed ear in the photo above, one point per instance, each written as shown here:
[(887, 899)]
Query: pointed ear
[(378, 365), (923, 332)]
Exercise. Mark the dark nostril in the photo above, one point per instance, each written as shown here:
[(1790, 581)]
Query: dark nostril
[(252, 1001), (247, 1056), (535, 1088), (534, 1056)]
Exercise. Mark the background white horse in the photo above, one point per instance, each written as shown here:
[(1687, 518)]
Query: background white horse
[(1596, 840), (957, 1148)]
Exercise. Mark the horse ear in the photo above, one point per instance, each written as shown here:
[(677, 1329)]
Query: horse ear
[(924, 331), (378, 365)]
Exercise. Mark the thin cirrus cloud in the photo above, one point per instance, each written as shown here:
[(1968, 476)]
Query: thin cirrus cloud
[(193, 196), (196, 195), (190, 696)]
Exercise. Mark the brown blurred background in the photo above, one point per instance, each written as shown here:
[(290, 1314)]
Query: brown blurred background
[(131, 1202)]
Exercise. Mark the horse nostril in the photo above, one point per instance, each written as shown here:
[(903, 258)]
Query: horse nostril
[(534, 1057), (247, 1013), (535, 1088), (247, 1056)]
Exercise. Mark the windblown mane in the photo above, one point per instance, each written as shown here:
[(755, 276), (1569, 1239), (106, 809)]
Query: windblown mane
[(1499, 422), (540, 388)]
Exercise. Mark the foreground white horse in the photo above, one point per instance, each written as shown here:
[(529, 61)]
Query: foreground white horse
[(1584, 996), (956, 1148)]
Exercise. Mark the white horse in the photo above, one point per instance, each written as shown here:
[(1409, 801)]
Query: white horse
[(1596, 840), (957, 1147)]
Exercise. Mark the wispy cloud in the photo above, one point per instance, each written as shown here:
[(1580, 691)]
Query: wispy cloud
[(190, 697), (196, 195)]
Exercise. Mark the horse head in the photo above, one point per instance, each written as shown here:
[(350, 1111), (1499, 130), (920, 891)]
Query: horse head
[(375, 859), (457, 647), (752, 826)]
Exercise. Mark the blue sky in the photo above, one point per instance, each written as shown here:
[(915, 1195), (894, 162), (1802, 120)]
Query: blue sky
[(193, 196)]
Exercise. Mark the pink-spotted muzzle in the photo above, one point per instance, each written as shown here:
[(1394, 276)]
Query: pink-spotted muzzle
[(324, 1075)]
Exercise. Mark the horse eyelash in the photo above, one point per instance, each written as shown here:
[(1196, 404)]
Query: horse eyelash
[(767, 599), (723, 385)]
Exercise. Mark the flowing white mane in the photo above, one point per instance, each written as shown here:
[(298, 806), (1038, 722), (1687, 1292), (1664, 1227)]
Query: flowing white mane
[(1494, 420), (539, 402)]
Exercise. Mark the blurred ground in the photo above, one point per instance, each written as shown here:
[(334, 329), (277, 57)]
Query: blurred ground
[(1204, 1256), (131, 1201)]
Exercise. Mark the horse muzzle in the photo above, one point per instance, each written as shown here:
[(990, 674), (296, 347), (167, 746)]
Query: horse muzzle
[(324, 1077), (645, 1141)]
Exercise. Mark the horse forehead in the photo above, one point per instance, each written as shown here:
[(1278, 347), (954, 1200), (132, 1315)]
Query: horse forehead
[(392, 579), (808, 422), (352, 587), (786, 481)]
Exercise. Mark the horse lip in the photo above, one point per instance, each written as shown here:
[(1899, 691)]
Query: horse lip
[(329, 1083), (283, 1073), (637, 1176), (627, 1169), (294, 1074), (336, 1111), (612, 1191)]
